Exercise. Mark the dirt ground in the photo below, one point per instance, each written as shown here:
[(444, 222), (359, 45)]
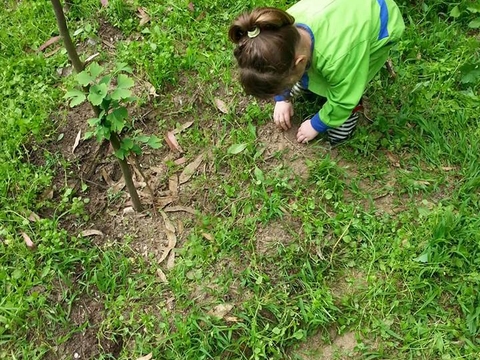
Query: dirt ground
[(157, 233)]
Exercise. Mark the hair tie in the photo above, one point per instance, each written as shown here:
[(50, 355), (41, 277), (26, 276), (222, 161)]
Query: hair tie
[(254, 33)]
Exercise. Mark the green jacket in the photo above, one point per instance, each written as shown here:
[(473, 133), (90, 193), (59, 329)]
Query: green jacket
[(350, 43)]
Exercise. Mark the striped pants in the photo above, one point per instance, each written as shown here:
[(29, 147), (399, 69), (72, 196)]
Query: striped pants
[(338, 134)]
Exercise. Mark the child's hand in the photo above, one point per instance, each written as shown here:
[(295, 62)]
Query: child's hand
[(306, 132), (282, 114)]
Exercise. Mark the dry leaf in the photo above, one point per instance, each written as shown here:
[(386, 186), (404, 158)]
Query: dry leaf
[(390, 68), (47, 194), (180, 227), (447, 168), (49, 42), (162, 276), (208, 236), (118, 186), (183, 127), (28, 241), (221, 106), (128, 210), (91, 232), (77, 141), (173, 184), (190, 169), (144, 18), (90, 58), (53, 52), (180, 161), (172, 239), (172, 142), (158, 169), (171, 260), (33, 217), (168, 224), (393, 159), (104, 3), (180, 208), (146, 357), (164, 201), (221, 310), (232, 319), (107, 177), (191, 7)]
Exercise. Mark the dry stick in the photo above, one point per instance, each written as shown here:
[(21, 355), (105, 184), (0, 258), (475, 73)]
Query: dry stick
[(137, 164), (340, 238)]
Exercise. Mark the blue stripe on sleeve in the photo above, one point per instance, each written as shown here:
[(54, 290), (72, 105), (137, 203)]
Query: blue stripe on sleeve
[(318, 124), (383, 20)]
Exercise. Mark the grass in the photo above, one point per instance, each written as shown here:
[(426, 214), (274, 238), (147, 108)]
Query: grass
[(378, 237)]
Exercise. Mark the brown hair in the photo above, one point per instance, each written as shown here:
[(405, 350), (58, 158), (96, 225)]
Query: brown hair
[(267, 59)]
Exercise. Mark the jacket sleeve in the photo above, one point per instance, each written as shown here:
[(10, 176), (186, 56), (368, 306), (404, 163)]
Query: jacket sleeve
[(347, 79)]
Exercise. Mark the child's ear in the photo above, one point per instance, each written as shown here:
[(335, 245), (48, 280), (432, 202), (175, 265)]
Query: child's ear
[(299, 59)]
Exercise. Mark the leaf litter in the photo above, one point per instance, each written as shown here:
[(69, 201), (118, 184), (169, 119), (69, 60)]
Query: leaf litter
[(190, 169), (171, 237)]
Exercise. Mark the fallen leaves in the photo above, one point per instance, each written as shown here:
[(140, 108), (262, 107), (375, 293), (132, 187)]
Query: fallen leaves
[(220, 310), (48, 43), (221, 106), (182, 127), (172, 142), (144, 17), (28, 241), (190, 169), (91, 232), (146, 357), (77, 141), (172, 242)]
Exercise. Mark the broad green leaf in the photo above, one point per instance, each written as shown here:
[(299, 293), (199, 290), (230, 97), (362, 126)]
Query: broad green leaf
[(105, 131), (95, 69), (124, 82), (236, 148), (105, 80), (88, 135), (259, 174), (120, 153), (120, 93), (299, 334), (422, 258), (136, 149), (475, 8), (127, 144), (154, 142), (455, 13), (475, 23), (117, 119), (97, 94), (123, 67), (470, 73), (76, 96), (142, 138), (84, 78), (93, 121)]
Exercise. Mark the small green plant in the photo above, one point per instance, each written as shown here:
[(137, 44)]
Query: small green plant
[(109, 95)]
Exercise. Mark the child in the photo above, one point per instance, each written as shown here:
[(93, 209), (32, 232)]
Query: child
[(331, 48)]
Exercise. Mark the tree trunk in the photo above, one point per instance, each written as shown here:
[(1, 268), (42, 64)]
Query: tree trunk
[(67, 40), (127, 174)]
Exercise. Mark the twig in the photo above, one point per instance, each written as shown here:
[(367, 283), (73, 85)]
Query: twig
[(341, 237), (137, 165), (390, 69)]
